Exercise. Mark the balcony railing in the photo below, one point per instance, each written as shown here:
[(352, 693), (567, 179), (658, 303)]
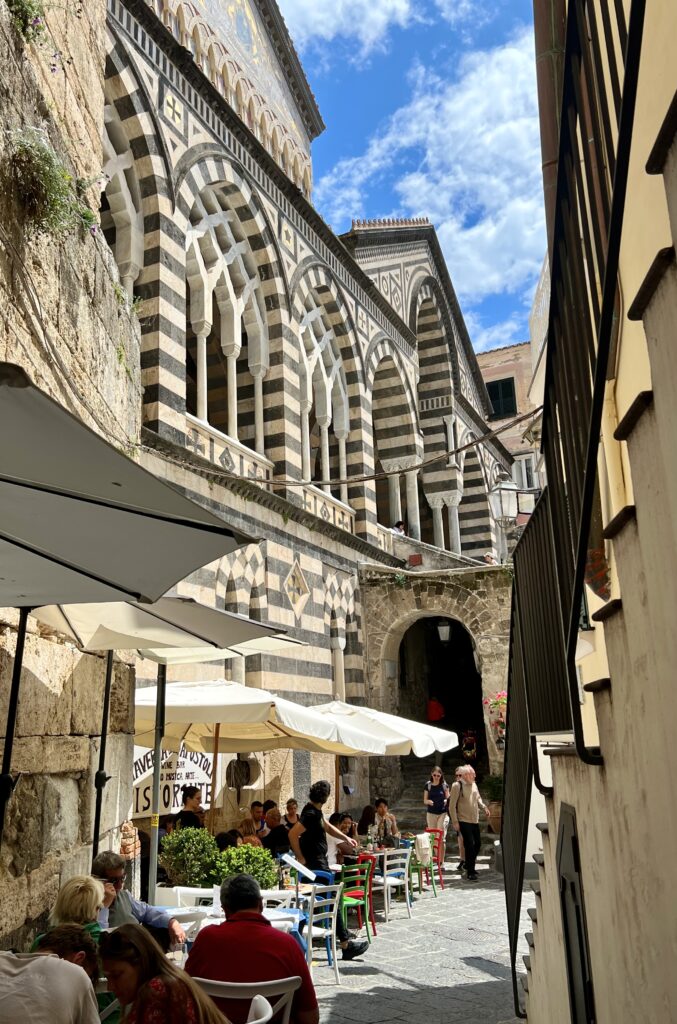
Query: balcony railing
[(601, 67), (223, 451)]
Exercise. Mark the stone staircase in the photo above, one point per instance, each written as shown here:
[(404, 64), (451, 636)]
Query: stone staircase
[(409, 810)]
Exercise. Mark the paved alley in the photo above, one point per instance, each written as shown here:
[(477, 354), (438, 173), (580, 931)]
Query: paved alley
[(449, 964)]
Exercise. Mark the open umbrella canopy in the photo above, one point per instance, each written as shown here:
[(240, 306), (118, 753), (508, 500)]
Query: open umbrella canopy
[(190, 655), (171, 622), (401, 735), (81, 522), (248, 719)]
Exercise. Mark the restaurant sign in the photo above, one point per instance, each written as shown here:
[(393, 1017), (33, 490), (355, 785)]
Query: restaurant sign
[(187, 767)]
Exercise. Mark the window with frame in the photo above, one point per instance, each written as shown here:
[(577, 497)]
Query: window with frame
[(502, 395), (579, 973), (524, 472)]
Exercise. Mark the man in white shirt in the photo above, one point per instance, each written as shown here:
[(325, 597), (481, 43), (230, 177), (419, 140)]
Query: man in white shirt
[(53, 986)]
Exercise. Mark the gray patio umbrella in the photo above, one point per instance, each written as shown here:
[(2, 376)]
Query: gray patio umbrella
[(174, 623), (80, 522)]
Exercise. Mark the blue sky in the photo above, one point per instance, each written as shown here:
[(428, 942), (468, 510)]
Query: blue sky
[(430, 108)]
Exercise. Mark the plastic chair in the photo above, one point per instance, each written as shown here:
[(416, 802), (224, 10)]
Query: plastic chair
[(283, 987), (419, 866), (260, 1011), (395, 876), (325, 902), (373, 859), (356, 892), (437, 840)]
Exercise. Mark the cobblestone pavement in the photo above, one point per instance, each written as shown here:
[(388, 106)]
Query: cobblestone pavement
[(449, 964)]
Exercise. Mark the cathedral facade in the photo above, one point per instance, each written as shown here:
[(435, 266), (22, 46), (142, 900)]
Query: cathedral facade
[(303, 384)]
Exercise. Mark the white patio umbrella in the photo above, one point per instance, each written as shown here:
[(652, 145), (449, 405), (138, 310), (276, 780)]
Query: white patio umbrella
[(81, 522), (227, 717), (118, 625), (248, 719), (401, 735)]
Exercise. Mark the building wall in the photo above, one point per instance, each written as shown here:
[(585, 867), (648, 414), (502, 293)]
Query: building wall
[(631, 928), (65, 320), (203, 232)]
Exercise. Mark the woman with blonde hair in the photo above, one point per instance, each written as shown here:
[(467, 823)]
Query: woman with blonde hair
[(79, 901), (154, 988), (249, 836)]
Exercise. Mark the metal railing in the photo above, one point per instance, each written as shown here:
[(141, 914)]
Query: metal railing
[(601, 69), (516, 793)]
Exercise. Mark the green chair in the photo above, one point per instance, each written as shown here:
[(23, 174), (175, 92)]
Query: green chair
[(356, 879)]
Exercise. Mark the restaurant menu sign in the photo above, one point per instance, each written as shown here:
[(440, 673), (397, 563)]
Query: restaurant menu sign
[(187, 767)]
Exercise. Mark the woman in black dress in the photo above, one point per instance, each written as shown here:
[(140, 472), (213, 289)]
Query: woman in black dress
[(188, 816)]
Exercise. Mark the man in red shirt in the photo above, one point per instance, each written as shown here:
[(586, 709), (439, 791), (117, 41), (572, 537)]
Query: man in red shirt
[(246, 948)]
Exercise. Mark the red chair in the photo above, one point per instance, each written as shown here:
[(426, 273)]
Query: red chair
[(361, 859), (438, 851)]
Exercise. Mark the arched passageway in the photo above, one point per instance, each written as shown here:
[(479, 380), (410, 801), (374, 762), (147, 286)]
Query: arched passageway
[(434, 667)]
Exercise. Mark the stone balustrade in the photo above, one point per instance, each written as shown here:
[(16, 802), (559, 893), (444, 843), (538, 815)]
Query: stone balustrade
[(232, 456)]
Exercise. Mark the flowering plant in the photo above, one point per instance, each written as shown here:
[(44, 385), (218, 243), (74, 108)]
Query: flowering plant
[(497, 702)]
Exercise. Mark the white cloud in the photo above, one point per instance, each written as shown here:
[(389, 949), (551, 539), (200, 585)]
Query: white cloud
[(458, 12), (505, 332), (470, 146), (366, 21)]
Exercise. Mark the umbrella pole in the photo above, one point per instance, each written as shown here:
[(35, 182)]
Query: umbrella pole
[(157, 767), (7, 783), (100, 779), (337, 781), (212, 805)]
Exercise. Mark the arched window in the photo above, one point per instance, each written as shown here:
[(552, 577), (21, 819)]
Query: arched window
[(325, 420), (226, 331)]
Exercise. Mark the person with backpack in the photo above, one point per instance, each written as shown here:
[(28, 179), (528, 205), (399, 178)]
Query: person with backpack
[(436, 801), (464, 806)]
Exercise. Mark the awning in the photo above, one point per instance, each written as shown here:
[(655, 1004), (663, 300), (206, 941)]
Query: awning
[(278, 643), (401, 735), (170, 623), (249, 719), (81, 522)]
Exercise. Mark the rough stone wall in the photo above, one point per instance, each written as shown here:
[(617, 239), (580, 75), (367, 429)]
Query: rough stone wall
[(61, 319), (392, 601)]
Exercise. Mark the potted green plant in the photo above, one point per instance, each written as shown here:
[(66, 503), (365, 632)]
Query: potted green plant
[(190, 856), (492, 791), (249, 860)]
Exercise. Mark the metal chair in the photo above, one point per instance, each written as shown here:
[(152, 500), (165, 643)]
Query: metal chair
[(395, 876), (284, 988), (422, 863), (323, 912), (361, 859)]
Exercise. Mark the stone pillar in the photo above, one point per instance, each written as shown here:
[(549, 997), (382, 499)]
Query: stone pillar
[(413, 516), (395, 499), (338, 645), (324, 446), (237, 669), (231, 371), (454, 529), (202, 404), (343, 467), (438, 524), (305, 442), (259, 433)]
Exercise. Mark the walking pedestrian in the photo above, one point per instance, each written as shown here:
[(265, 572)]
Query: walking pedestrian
[(436, 801), (464, 806)]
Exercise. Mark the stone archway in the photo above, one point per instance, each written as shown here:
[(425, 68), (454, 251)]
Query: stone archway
[(478, 599)]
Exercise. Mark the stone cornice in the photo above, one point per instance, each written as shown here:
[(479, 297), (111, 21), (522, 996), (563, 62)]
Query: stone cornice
[(191, 463), (288, 57)]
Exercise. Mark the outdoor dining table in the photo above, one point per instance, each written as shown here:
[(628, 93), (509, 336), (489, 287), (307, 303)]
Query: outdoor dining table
[(284, 919)]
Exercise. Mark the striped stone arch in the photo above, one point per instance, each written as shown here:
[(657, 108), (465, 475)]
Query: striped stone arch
[(392, 400), (241, 582), (475, 520), (157, 282), (426, 295), (321, 325)]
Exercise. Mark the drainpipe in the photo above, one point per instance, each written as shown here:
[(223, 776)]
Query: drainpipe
[(549, 36)]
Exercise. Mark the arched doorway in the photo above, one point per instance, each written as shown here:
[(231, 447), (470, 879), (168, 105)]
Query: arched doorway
[(432, 666)]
